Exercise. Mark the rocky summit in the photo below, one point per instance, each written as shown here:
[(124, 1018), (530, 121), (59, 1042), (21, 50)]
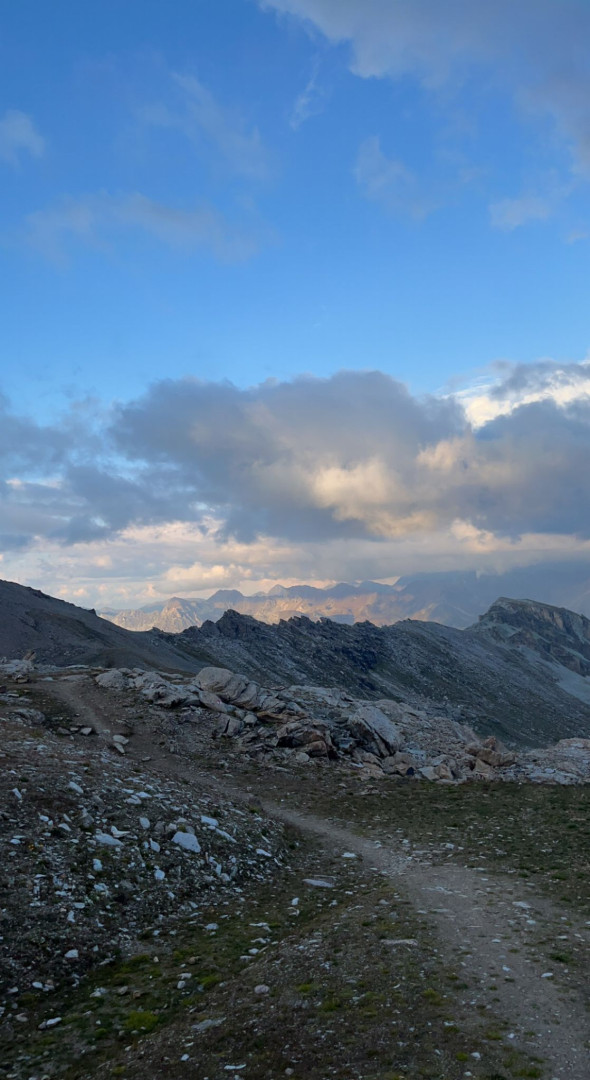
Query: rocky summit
[(309, 849)]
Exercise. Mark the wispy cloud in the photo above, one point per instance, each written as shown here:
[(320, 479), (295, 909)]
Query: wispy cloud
[(211, 126), (389, 182), (97, 219), (18, 136), (535, 50), (310, 101), (510, 214)]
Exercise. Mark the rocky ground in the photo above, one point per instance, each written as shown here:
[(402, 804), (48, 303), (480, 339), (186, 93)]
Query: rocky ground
[(208, 878)]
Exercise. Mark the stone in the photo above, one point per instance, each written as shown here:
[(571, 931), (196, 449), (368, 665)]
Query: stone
[(187, 841), (428, 772), (482, 769), (107, 839), (212, 701), (443, 772), (495, 758), (374, 730), (112, 680)]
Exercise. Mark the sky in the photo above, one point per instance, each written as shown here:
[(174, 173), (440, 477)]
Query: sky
[(292, 290)]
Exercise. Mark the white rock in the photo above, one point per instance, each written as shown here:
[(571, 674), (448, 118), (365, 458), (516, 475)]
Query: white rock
[(72, 954), (188, 841), (144, 822), (73, 786), (262, 989), (107, 839)]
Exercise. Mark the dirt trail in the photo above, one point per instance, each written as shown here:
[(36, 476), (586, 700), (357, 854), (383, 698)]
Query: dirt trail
[(486, 924), (481, 919)]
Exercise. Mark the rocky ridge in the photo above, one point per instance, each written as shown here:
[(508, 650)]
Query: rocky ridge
[(384, 738), (519, 674)]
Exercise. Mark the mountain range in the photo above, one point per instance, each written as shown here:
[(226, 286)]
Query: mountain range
[(522, 671), (455, 598)]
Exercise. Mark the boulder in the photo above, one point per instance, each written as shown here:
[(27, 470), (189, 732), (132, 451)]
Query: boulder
[(399, 764), (496, 758), (112, 680), (374, 730), (483, 770), (211, 701), (429, 772), (240, 691)]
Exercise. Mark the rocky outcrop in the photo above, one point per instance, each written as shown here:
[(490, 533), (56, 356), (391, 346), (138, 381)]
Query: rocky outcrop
[(386, 738)]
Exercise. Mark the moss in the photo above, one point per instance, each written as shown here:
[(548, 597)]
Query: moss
[(141, 1021)]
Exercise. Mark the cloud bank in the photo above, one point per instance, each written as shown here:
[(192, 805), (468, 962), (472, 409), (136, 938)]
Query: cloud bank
[(290, 479)]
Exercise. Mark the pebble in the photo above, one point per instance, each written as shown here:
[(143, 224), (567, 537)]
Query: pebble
[(262, 989), (50, 1023)]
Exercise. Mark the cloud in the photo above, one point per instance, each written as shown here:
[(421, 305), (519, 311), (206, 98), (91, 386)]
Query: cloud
[(310, 101), (536, 48), (18, 135), (387, 181), (96, 219), (213, 127), (509, 214), (316, 478), (525, 384)]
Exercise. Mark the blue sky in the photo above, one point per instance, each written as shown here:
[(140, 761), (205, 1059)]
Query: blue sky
[(242, 191)]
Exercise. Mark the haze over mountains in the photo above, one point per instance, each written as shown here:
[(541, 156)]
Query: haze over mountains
[(454, 598)]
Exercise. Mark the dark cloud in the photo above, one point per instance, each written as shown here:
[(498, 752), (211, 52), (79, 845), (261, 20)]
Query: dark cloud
[(351, 458)]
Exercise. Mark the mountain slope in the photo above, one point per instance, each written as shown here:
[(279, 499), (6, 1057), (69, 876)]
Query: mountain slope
[(477, 676), (522, 672), (61, 633)]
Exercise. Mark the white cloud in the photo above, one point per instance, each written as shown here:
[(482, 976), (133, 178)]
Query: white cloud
[(526, 384), (509, 214), (96, 219), (536, 48), (18, 135), (310, 101)]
